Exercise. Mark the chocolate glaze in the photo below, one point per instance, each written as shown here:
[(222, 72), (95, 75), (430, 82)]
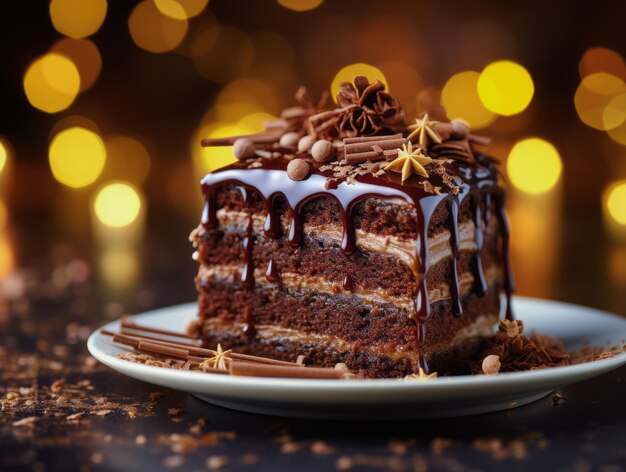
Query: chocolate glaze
[(271, 274), (475, 181), (348, 283)]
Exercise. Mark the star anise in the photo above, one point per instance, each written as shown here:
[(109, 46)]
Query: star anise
[(409, 161), (364, 109), (219, 360), (424, 131), (421, 375)]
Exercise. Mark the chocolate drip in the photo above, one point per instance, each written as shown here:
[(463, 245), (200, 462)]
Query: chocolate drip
[(509, 283), (480, 284), (270, 182), (487, 213), (348, 283), (271, 274), (247, 275), (455, 291), (271, 227), (249, 328)]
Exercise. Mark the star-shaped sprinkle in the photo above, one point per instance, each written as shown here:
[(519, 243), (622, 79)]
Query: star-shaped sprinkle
[(219, 360), (421, 375), (409, 160), (424, 131)]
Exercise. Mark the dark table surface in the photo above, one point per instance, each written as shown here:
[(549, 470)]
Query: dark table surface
[(61, 410)]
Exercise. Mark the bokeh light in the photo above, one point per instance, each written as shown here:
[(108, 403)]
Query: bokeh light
[(52, 83), (4, 156), (601, 59), (229, 57), (7, 258), (242, 97), (117, 204), (127, 159), (593, 95), (181, 9), (406, 83), (459, 97), (505, 87), (4, 215), (153, 31), (534, 165), (85, 56), (77, 157), (300, 5), (119, 267), (614, 113), (347, 74), (615, 201), (211, 158), (77, 18)]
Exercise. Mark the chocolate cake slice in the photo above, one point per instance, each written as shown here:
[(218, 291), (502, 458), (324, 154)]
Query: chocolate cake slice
[(346, 236)]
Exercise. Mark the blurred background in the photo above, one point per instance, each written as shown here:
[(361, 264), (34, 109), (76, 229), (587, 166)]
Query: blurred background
[(104, 104)]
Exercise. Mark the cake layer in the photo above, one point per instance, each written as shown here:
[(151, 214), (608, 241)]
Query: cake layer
[(322, 258), (438, 291), (378, 340), (390, 217), (404, 249)]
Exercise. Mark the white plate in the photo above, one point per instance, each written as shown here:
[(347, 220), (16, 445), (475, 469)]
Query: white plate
[(386, 398)]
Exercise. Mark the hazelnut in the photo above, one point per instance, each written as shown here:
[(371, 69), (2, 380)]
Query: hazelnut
[(289, 140), (298, 169), (460, 128), (305, 143), (491, 364), (322, 151), (243, 149)]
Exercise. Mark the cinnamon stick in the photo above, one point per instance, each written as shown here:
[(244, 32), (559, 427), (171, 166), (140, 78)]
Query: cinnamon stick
[(247, 369), (133, 340)]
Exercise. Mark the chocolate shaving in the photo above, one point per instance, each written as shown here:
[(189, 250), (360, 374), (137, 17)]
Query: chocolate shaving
[(518, 352)]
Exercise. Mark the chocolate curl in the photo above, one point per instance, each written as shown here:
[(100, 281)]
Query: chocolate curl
[(246, 369), (371, 148)]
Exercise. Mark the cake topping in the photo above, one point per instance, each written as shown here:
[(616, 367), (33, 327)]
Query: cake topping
[(322, 151), (425, 132), (491, 364), (409, 161), (365, 109), (367, 127), (298, 169), (243, 149)]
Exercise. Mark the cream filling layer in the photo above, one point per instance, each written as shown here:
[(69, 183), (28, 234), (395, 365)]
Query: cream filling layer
[(439, 292), (438, 245), (482, 326)]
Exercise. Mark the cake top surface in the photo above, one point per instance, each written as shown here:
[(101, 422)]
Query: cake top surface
[(365, 142)]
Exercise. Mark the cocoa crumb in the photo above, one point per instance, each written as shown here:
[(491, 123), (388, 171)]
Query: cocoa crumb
[(558, 398), (216, 462), (28, 421), (321, 448)]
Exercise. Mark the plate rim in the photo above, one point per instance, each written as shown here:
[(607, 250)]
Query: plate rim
[(509, 379)]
